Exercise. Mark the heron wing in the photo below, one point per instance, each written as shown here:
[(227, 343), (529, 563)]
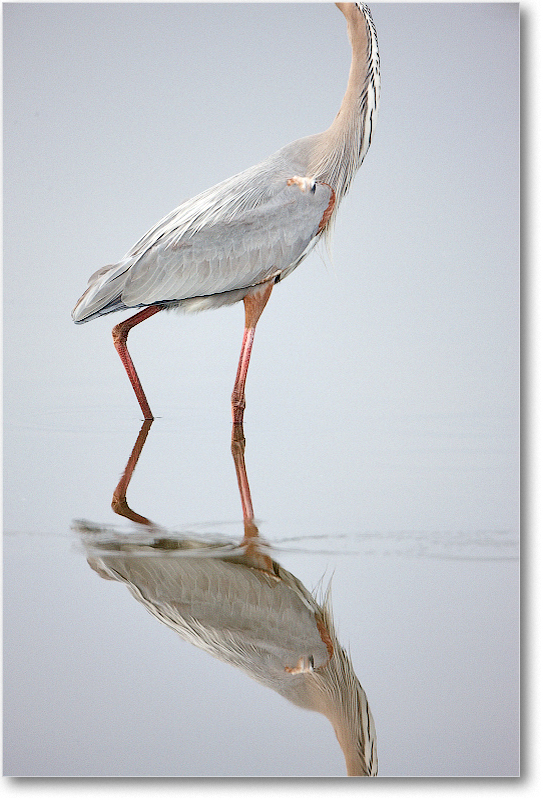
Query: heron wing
[(234, 248)]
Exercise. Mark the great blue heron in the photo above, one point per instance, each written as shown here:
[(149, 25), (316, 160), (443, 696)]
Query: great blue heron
[(236, 240)]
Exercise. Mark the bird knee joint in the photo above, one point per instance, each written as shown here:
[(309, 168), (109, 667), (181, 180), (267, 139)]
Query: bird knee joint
[(119, 334), (238, 401)]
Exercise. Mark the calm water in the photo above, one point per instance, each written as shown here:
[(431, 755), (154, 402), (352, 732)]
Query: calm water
[(96, 686), (382, 401)]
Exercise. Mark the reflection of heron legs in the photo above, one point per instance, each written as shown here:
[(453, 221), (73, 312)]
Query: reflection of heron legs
[(254, 306), (252, 543), (120, 335), (118, 503)]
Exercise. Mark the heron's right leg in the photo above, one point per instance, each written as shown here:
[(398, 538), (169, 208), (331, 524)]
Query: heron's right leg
[(120, 335), (238, 452), (254, 306)]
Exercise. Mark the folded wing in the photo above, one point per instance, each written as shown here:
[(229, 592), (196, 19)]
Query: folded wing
[(210, 246)]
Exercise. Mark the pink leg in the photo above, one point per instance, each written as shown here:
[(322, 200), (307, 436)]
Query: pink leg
[(254, 306), (238, 452), (238, 395), (120, 335)]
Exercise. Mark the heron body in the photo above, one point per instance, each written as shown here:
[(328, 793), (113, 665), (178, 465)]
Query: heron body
[(237, 239)]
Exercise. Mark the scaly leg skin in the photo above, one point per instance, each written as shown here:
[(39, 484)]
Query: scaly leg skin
[(120, 334), (238, 395), (254, 306), (238, 452)]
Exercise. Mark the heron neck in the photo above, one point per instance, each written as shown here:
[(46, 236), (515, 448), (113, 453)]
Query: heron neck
[(360, 37), (341, 148)]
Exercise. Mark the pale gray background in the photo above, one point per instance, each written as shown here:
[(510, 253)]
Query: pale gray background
[(382, 396)]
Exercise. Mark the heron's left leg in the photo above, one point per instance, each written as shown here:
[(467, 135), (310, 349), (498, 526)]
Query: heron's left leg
[(120, 334), (254, 306)]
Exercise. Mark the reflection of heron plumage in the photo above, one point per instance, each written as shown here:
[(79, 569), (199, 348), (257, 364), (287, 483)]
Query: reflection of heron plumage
[(261, 620), (240, 606)]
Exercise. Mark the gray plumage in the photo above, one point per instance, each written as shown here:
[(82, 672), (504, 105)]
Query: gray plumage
[(255, 227)]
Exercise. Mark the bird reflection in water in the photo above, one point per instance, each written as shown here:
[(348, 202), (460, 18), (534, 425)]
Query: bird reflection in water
[(238, 604)]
